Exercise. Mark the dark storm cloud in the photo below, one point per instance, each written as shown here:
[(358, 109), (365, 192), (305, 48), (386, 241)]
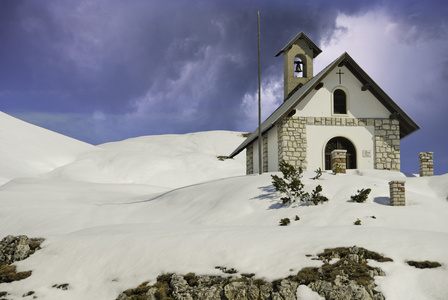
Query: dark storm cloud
[(85, 55)]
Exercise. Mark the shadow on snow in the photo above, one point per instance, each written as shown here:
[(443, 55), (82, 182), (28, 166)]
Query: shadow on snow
[(382, 200)]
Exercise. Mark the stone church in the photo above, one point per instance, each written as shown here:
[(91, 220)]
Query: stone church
[(340, 115)]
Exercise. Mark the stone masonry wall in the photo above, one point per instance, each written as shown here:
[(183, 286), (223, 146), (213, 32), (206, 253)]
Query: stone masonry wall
[(250, 159), (265, 152), (292, 141), (387, 144), (387, 138)]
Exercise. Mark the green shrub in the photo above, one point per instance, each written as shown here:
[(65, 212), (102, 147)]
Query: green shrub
[(362, 195), (285, 222), (316, 197), (292, 187), (337, 169), (318, 174), (358, 222), (296, 218), (290, 184)]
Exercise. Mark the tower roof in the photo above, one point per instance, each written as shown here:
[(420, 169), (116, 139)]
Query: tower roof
[(301, 35)]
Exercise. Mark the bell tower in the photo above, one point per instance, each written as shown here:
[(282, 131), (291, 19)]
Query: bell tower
[(298, 57)]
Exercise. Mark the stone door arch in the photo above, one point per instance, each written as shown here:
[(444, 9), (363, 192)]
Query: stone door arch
[(340, 143)]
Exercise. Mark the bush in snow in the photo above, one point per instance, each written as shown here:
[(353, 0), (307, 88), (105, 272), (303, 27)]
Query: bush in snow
[(318, 174), (285, 222), (316, 197), (337, 169), (292, 186), (358, 222), (362, 195)]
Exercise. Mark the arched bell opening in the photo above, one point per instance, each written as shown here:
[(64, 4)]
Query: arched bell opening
[(299, 66), (340, 143)]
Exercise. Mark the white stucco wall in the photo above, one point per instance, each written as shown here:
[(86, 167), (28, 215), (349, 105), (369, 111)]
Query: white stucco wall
[(361, 137), (361, 104), (272, 150)]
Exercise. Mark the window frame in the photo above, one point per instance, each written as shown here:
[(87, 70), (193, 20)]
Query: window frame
[(333, 102)]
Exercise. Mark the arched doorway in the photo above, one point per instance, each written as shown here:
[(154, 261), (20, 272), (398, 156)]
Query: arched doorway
[(340, 143)]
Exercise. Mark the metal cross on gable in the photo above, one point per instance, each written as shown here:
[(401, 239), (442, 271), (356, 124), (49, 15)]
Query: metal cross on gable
[(339, 73)]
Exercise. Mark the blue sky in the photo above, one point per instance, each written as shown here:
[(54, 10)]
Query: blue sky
[(106, 70)]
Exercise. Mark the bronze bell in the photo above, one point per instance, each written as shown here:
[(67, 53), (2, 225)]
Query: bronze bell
[(297, 64)]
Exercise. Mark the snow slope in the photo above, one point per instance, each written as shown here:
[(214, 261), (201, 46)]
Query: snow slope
[(29, 150), (134, 209), (166, 160)]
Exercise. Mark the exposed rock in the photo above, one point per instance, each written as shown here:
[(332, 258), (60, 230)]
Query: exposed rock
[(341, 289), (16, 248), (287, 289), (348, 278), (12, 249)]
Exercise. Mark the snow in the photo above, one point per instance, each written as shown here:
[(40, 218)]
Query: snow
[(121, 213), (29, 150)]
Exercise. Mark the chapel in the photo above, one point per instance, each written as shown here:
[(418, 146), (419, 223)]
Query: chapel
[(339, 115)]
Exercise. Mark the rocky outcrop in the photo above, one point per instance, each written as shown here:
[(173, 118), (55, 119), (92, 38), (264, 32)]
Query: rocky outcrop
[(348, 278), (12, 249), (16, 248)]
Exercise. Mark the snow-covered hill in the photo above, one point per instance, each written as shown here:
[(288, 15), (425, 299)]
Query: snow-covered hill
[(29, 150), (166, 160), (129, 211)]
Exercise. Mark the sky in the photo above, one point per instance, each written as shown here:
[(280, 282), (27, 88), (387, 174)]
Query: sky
[(107, 70)]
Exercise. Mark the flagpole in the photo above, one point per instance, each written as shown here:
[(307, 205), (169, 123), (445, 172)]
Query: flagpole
[(260, 141)]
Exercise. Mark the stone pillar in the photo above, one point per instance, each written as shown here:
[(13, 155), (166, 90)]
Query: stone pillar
[(250, 159), (426, 164), (265, 153), (397, 193), (339, 157)]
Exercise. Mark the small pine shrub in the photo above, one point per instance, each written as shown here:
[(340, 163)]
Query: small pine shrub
[(296, 218), (318, 174), (285, 222), (337, 169), (290, 184), (316, 197), (362, 195), (293, 188), (358, 222)]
